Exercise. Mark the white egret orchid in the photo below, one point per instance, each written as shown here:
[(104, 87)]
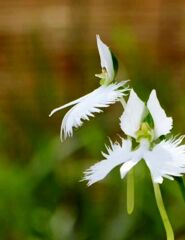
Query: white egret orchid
[(144, 125), (108, 93)]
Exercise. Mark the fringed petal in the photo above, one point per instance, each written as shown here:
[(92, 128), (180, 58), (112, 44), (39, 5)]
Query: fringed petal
[(166, 159), (116, 155), (92, 103)]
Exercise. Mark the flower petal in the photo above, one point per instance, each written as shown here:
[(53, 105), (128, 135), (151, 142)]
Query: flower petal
[(117, 154), (167, 159), (162, 123), (67, 105), (91, 103), (133, 115), (105, 58)]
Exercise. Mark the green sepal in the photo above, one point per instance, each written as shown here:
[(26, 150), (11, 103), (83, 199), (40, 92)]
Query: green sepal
[(163, 137), (115, 64), (181, 185)]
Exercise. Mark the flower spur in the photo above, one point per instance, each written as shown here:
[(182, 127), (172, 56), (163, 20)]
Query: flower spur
[(108, 93)]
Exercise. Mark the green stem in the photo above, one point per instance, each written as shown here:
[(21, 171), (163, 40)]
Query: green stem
[(164, 216), (130, 191)]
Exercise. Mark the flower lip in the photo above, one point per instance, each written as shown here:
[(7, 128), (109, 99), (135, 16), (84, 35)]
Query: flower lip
[(165, 160)]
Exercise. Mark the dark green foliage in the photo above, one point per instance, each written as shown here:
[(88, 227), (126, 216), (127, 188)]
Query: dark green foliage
[(181, 186)]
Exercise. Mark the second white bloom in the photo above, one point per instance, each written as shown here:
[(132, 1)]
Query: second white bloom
[(145, 124)]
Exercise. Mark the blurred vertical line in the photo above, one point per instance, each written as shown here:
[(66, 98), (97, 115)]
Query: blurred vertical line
[(78, 32), (170, 31)]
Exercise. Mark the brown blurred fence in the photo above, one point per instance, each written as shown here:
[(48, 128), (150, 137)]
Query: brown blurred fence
[(66, 30)]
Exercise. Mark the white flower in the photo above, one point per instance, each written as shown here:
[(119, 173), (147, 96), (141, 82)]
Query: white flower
[(107, 94), (164, 159)]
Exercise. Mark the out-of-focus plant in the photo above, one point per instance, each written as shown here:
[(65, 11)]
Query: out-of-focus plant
[(40, 196)]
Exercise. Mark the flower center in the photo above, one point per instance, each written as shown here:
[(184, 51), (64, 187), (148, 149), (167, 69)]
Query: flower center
[(145, 132), (104, 77)]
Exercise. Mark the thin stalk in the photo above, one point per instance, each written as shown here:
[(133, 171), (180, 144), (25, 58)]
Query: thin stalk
[(130, 191), (164, 216)]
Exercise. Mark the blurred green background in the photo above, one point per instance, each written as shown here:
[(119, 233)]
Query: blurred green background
[(48, 57)]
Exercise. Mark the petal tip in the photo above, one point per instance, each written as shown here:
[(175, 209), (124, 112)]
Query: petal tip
[(97, 37), (51, 113)]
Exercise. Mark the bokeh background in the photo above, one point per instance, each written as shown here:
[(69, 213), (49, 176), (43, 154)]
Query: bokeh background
[(48, 56)]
